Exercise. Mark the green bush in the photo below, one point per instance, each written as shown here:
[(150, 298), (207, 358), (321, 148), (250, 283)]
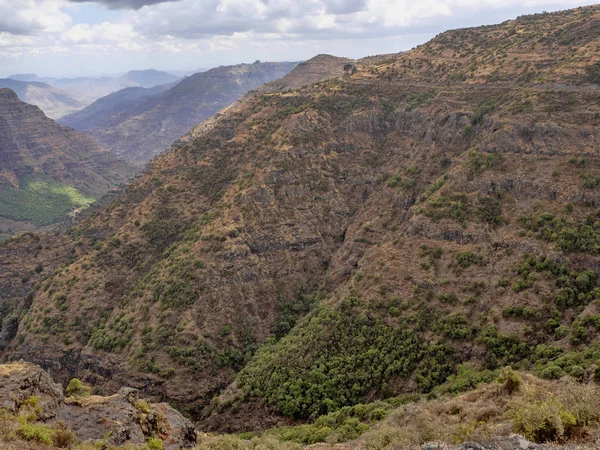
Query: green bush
[(467, 377), (575, 288), (542, 418), (510, 380), (456, 207), (467, 259), (76, 388), (290, 310), (502, 350), (477, 163), (154, 444), (542, 415), (42, 434)]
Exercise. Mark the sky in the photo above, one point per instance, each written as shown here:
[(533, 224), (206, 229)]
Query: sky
[(105, 37)]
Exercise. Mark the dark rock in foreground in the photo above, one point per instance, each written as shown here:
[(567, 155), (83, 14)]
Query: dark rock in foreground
[(123, 417)]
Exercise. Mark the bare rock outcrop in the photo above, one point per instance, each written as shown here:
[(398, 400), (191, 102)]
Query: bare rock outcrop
[(122, 418)]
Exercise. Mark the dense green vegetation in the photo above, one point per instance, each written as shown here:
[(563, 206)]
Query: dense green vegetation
[(569, 235), (290, 310), (345, 354), (574, 287), (347, 351), (41, 200)]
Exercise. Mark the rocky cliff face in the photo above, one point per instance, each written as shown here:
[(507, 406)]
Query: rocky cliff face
[(354, 239), (143, 130), (120, 419)]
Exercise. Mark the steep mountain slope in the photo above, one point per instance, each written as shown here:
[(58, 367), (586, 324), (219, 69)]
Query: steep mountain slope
[(366, 234), (144, 130), (101, 111), (54, 102), (47, 171)]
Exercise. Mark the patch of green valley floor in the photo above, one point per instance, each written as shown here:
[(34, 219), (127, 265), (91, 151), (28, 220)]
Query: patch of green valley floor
[(41, 200)]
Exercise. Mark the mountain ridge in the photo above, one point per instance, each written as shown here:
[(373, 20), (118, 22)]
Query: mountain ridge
[(147, 128)]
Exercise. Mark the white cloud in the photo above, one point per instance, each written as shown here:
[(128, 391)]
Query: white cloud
[(124, 4), (32, 16), (237, 30), (327, 19), (85, 33)]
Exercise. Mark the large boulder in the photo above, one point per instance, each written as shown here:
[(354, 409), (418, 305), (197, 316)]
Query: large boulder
[(124, 418), (22, 381)]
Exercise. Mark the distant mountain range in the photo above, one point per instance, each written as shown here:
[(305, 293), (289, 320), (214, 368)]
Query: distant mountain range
[(137, 124), (53, 101), (47, 171), (60, 96)]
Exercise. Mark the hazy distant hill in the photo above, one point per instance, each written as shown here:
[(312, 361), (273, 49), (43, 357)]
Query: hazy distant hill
[(54, 102), (26, 77), (149, 78), (139, 132), (113, 104), (47, 170), (89, 89)]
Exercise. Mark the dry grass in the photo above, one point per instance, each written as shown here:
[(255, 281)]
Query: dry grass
[(541, 410), (7, 369), (235, 443)]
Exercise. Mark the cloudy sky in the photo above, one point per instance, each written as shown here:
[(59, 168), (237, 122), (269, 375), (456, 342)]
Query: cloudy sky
[(80, 37)]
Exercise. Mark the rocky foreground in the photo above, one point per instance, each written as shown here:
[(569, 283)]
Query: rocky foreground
[(29, 393), (36, 414)]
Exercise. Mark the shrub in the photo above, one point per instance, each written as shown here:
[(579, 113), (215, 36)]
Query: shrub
[(30, 408), (63, 438), (502, 349), (510, 380), (457, 207), (552, 372), (450, 298), (76, 388), (143, 407), (541, 415), (467, 259), (466, 378), (477, 163), (34, 432), (541, 418), (570, 236), (223, 443), (154, 444)]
